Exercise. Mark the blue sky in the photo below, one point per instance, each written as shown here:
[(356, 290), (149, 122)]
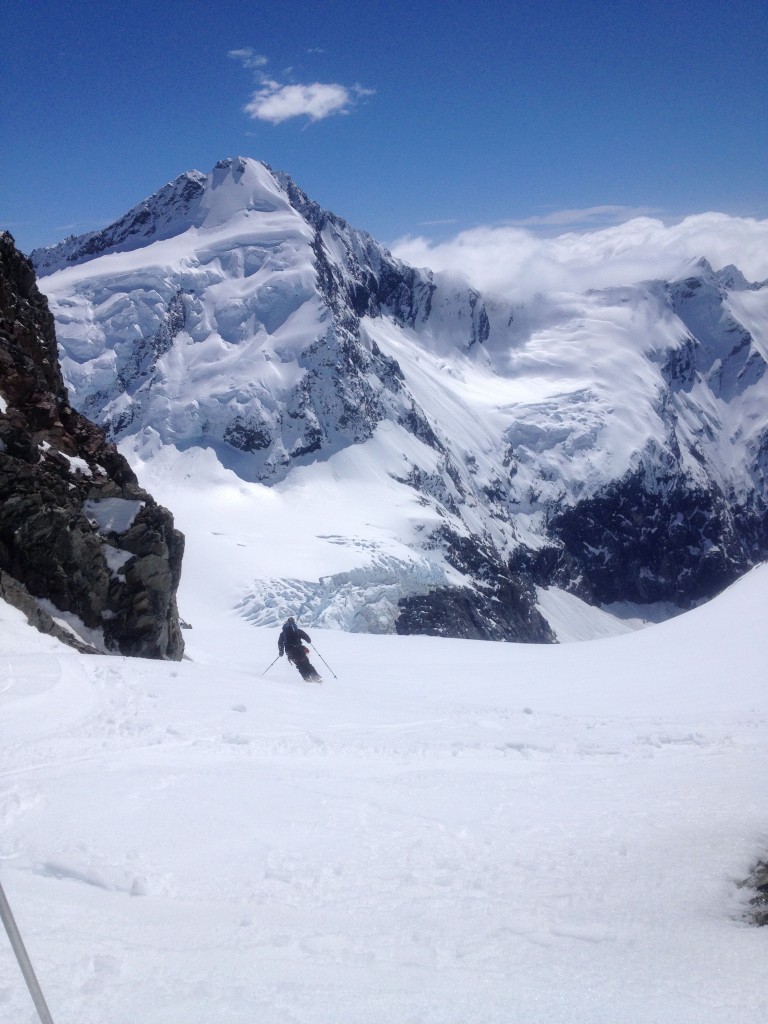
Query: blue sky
[(406, 118)]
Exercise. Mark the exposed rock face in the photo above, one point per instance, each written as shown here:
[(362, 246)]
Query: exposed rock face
[(758, 881), (153, 219), (680, 543), (501, 604), (17, 595), (75, 528)]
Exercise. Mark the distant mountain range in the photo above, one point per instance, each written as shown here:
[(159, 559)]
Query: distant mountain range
[(612, 444)]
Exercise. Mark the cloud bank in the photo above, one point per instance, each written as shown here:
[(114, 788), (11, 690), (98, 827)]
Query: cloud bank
[(516, 263)]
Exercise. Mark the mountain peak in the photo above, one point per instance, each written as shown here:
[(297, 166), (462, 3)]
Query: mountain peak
[(240, 185), (193, 199), (729, 278)]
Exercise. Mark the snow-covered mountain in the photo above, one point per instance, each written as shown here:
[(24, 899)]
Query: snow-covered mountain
[(468, 455)]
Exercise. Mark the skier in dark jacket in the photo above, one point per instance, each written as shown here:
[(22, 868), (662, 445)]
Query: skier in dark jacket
[(290, 643)]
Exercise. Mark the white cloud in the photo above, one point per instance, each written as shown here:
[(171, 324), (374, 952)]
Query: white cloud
[(607, 214), (249, 58), (275, 102), (517, 263), (439, 223)]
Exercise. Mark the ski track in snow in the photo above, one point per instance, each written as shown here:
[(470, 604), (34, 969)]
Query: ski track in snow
[(447, 832)]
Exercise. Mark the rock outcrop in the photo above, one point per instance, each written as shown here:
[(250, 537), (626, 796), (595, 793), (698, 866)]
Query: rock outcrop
[(758, 883), (77, 532)]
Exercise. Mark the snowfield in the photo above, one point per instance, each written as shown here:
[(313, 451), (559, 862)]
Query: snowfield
[(444, 832)]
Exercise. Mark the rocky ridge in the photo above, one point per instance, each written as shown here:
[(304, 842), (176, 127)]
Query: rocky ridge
[(77, 533), (758, 881)]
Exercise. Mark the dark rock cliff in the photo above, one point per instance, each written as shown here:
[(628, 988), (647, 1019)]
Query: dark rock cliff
[(76, 530)]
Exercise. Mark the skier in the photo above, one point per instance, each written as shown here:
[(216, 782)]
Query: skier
[(290, 643)]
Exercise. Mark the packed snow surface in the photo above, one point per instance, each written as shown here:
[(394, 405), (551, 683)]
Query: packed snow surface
[(443, 831)]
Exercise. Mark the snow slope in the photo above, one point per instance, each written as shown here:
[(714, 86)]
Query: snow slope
[(336, 544), (445, 831)]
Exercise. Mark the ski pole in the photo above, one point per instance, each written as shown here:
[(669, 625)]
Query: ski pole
[(269, 666), (325, 662), (22, 958)]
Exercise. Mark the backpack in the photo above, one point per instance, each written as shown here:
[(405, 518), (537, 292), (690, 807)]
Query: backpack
[(292, 638)]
